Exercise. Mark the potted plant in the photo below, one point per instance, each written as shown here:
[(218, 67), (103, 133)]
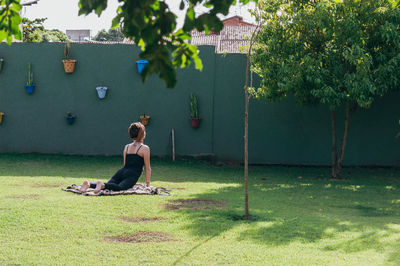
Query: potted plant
[(1, 64), (140, 65), (70, 118), (194, 111), (69, 64), (30, 86), (101, 92), (1, 117), (145, 119)]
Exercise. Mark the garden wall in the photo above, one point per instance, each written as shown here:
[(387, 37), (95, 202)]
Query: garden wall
[(279, 133)]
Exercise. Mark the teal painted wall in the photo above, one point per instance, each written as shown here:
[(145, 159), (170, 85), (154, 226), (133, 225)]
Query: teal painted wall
[(280, 133)]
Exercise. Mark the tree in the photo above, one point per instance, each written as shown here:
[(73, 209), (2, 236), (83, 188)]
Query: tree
[(112, 35), (341, 53), (34, 31)]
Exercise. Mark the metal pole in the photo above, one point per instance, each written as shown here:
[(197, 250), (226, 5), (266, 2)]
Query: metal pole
[(173, 144)]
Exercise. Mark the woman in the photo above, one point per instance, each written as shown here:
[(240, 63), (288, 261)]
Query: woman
[(136, 155)]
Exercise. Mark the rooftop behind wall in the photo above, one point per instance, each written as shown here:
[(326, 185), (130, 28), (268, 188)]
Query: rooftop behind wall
[(280, 133)]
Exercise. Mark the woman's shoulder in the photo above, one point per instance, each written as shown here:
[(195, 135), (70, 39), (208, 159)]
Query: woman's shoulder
[(145, 147)]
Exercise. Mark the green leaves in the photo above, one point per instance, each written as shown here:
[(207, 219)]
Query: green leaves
[(329, 51), (10, 20), (152, 26)]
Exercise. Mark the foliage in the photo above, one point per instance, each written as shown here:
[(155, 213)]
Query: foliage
[(339, 53), (194, 110), (34, 31), (31, 29), (297, 221), (112, 35), (10, 20), (30, 75), (329, 51), (152, 26)]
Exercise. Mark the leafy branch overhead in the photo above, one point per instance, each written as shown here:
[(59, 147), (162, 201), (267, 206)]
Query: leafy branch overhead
[(10, 20), (152, 25)]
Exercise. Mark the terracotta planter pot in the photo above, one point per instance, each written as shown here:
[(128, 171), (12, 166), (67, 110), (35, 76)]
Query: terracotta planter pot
[(69, 65), (1, 117), (145, 119), (195, 122)]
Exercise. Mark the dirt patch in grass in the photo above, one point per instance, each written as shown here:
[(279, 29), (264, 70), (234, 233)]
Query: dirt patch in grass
[(139, 237), (140, 219), (47, 185), (194, 204), (33, 196)]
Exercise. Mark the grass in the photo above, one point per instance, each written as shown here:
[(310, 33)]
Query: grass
[(309, 220)]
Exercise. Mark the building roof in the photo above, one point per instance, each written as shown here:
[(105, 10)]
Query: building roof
[(29, 3), (230, 40)]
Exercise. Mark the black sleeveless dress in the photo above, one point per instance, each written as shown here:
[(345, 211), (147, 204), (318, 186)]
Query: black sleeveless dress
[(127, 176)]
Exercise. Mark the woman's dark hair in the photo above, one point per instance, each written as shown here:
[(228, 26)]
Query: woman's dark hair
[(136, 131)]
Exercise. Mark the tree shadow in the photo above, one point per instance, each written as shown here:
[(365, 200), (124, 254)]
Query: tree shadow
[(305, 211)]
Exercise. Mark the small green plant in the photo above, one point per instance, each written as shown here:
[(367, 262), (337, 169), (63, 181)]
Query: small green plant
[(67, 48), (194, 111), (30, 75)]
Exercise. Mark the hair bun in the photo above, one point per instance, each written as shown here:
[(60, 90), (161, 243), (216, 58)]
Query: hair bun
[(136, 131)]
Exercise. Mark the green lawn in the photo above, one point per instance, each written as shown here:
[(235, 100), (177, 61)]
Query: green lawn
[(296, 221)]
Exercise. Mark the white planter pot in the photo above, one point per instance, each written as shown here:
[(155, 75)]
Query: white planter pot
[(101, 92)]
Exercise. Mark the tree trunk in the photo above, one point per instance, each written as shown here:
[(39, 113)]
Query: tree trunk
[(337, 168), (246, 120), (334, 154), (246, 153)]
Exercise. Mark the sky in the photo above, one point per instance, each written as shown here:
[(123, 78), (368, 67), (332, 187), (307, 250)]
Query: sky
[(63, 14)]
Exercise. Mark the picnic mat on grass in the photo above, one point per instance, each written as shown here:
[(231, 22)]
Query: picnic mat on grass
[(136, 189)]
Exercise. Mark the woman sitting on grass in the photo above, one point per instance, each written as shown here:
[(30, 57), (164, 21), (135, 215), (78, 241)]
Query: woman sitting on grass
[(136, 154)]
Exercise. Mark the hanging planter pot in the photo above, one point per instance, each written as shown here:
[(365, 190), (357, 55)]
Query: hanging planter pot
[(140, 65), (1, 64), (194, 111), (101, 92), (145, 119), (70, 118), (195, 122), (69, 64), (1, 117), (30, 88)]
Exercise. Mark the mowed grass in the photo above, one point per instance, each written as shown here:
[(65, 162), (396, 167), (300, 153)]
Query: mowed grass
[(299, 216)]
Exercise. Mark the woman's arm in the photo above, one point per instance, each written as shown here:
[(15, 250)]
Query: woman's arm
[(124, 155), (146, 157)]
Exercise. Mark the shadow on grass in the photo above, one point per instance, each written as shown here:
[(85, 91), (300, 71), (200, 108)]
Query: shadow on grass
[(295, 204), (349, 221)]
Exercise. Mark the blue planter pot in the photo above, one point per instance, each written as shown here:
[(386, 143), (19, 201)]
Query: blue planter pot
[(140, 65), (30, 88), (70, 119), (101, 92)]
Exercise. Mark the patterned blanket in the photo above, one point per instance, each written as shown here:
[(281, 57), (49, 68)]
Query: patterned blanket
[(136, 189)]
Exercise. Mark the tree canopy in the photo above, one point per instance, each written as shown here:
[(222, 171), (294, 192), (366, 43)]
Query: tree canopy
[(112, 35), (340, 53), (34, 31)]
